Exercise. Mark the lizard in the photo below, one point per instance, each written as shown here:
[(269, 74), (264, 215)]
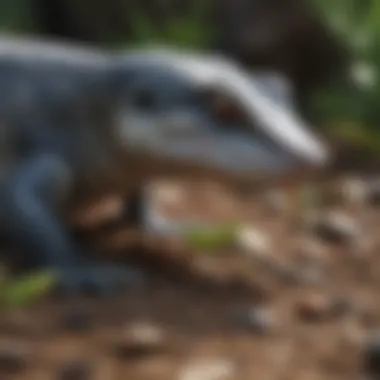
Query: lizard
[(78, 122)]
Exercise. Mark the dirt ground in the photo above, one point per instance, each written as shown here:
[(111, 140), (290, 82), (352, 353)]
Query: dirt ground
[(295, 298)]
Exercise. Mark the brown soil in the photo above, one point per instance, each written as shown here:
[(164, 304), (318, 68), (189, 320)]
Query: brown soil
[(197, 310)]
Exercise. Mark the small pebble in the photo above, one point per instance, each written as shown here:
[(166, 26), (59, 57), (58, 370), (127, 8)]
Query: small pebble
[(337, 228), (14, 357), (213, 369), (253, 242), (140, 340), (258, 320), (75, 371)]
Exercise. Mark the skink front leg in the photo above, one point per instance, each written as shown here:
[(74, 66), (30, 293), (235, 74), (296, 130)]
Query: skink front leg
[(32, 226)]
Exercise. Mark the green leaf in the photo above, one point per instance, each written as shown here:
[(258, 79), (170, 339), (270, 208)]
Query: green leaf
[(21, 291), (211, 238)]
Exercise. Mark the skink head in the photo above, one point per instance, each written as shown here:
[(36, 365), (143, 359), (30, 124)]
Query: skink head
[(165, 117)]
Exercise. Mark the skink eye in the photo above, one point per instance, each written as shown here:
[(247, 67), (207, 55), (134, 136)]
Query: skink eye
[(224, 109)]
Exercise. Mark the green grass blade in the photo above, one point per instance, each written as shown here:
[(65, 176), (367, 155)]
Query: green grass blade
[(21, 291)]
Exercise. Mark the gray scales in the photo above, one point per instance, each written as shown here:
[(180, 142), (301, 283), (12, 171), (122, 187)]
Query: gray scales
[(77, 123)]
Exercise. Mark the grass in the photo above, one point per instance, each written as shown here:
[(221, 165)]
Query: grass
[(21, 291), (357, 24), (211, 238)]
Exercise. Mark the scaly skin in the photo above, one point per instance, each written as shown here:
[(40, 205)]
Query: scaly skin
[(77, 124)]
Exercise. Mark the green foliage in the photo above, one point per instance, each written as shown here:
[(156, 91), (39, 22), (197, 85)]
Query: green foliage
[(21, 291), (15, 16), (357, 22), (190, 30)]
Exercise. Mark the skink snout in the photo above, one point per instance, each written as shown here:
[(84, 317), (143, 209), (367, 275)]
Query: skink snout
[(316, 156)]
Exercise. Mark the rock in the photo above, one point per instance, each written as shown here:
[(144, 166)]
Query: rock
[(212, 369), (258, 320), (337, 227), (252, 241), (14, 356), (140, 340), (75, 371)]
